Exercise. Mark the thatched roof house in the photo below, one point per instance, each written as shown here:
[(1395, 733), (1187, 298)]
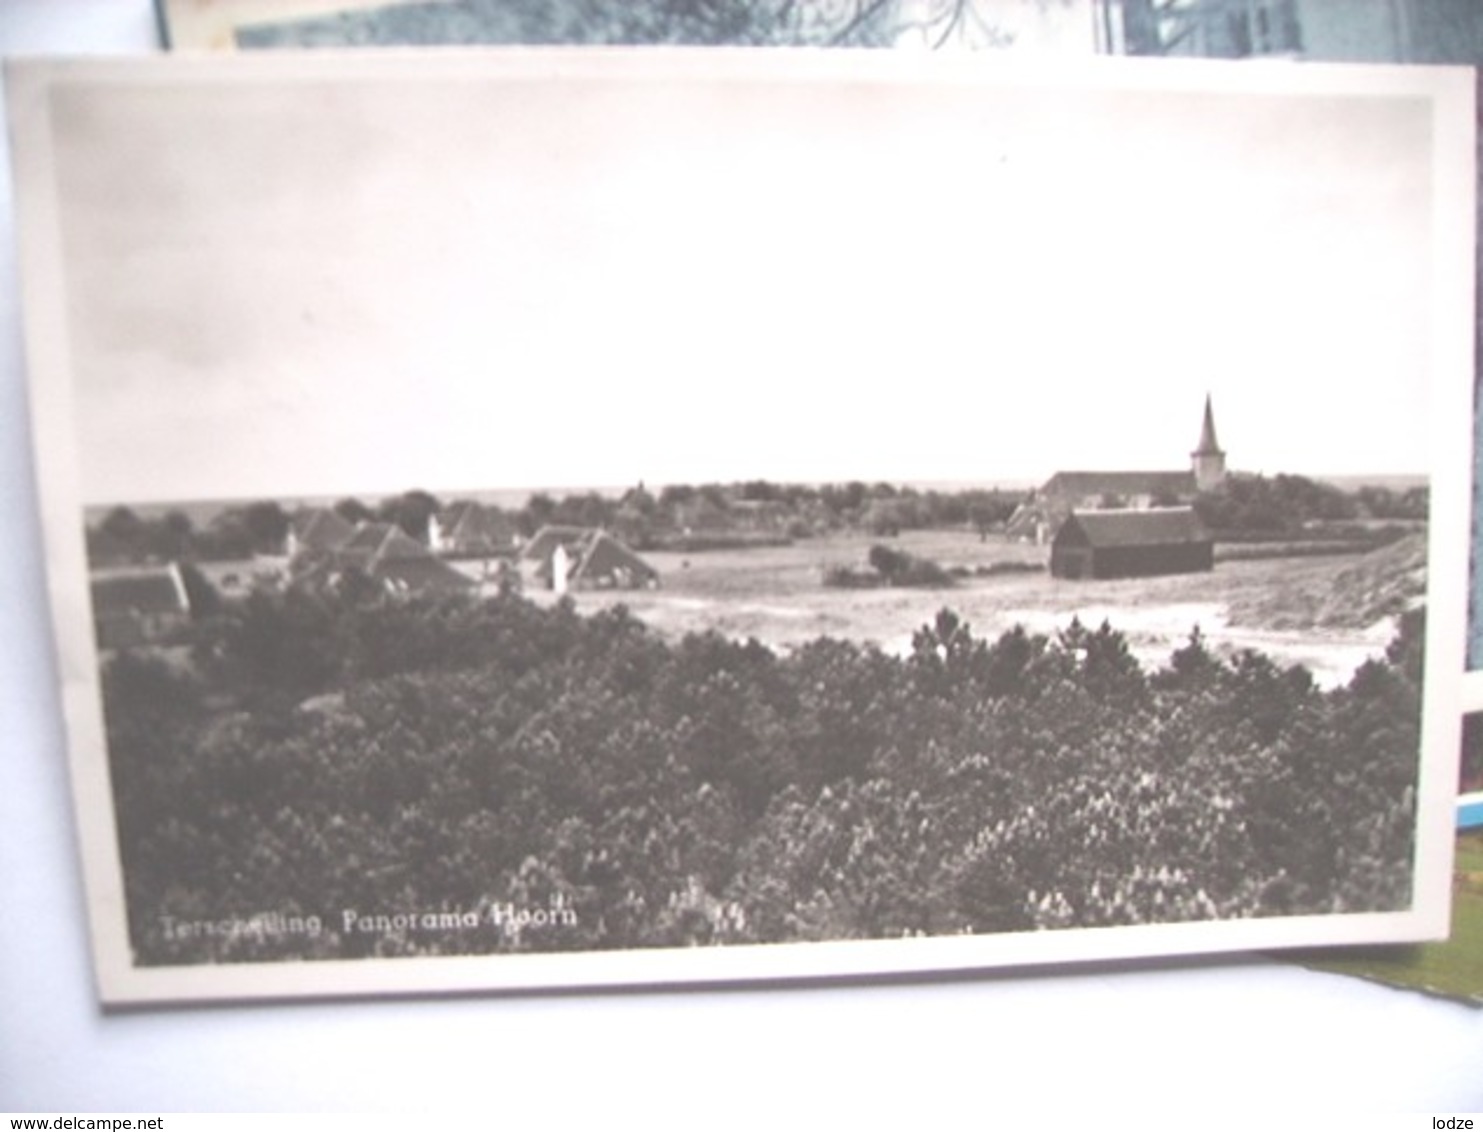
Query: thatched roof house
[(586, 558)]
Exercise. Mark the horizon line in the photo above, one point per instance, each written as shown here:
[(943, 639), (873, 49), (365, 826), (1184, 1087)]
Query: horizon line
[(560, 491)]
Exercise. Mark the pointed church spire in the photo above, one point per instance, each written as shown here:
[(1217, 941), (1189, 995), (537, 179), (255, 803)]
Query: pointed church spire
[(1208, 445), (1208, 461)]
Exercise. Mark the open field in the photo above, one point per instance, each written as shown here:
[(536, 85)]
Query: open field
[(1292, 609)]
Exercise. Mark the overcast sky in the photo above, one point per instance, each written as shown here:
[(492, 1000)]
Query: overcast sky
[(361, 284)]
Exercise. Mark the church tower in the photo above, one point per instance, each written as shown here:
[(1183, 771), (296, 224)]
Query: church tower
[(1207, 460)]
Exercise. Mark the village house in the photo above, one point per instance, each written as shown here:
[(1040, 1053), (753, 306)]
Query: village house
[(316, 530), (465, 529), (562, 558), (139, 606), (536, 554), (386, 554)]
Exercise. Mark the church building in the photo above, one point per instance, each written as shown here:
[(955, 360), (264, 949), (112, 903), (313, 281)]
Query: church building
[(1041, 515)]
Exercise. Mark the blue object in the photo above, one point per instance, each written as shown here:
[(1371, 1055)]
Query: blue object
[(1470, 811)]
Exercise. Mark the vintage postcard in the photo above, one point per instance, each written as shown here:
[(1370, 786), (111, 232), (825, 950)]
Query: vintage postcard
[(577, 518)]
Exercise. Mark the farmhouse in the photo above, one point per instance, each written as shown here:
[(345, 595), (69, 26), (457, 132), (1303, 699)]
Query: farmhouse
[(139, 606), (316, 530), (1041, 515), (604, 563), (465, 529), (536, 554), (585, 558), (386, 554), (1127, 544)]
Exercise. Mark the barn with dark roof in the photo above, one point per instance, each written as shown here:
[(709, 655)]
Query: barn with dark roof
[(1131, 544)]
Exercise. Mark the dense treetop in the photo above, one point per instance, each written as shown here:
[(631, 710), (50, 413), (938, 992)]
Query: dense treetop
[(323, 751)]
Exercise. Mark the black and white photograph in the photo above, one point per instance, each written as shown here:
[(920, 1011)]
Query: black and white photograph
[(573, 518), (1040, 25), (1370, 31)]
